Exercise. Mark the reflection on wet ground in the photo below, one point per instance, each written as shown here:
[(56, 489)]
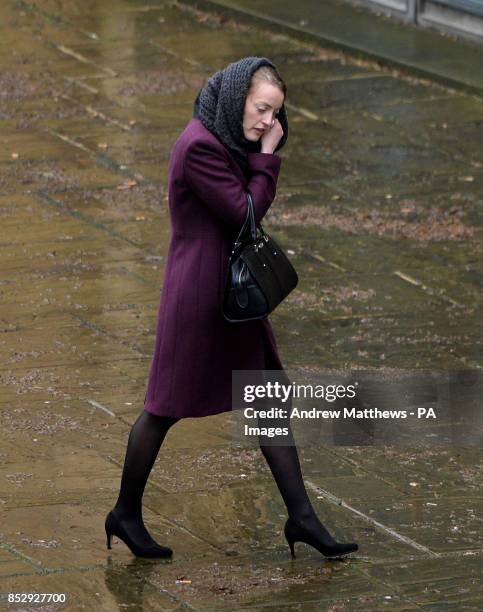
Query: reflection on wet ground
[(379, 203)]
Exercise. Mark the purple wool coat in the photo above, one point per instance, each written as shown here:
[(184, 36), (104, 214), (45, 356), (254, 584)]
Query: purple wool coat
[(196, 349)]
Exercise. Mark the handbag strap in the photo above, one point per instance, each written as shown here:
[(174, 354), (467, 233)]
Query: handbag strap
[(251, 214), (249, 227)]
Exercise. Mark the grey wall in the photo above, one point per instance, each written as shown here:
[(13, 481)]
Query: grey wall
[(459, 17)]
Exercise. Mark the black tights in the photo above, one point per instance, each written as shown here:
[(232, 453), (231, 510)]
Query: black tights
[(284, 464), (145, 439)]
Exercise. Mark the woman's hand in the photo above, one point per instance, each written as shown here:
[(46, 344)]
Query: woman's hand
[(272, 137)]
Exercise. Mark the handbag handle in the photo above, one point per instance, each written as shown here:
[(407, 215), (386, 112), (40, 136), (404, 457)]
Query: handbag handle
[(253, 225), (249, 223), (249, 227)]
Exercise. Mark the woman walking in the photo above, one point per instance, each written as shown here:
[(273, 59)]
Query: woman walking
[(225, 150)]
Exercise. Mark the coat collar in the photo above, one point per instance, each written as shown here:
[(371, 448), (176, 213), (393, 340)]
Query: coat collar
[(206, 132)]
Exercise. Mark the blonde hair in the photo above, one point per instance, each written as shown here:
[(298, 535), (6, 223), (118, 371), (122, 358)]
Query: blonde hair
[(268, 74)]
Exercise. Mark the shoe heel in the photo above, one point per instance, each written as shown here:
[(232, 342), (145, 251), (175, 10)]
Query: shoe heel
[(290, 540), (108, 532)]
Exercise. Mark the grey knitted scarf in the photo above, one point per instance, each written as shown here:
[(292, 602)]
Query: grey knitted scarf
[(221, 102)]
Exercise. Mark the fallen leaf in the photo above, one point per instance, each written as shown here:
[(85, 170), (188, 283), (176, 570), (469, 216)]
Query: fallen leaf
[(127, 185)]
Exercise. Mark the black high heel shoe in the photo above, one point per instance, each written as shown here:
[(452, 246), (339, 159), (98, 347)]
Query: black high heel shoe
[(296, 533), (114, 527)]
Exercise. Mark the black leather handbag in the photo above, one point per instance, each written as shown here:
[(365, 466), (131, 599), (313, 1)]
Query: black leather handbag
[(259, 274)]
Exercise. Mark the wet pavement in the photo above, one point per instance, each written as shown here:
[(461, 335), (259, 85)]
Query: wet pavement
[(379, 202), (448, 58)]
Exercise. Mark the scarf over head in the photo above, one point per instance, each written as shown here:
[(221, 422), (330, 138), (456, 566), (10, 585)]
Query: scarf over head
[(220, 106)]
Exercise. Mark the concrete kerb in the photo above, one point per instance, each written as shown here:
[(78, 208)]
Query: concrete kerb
[(330, 43)]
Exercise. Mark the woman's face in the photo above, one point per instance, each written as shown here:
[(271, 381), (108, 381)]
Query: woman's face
[(261, 107)]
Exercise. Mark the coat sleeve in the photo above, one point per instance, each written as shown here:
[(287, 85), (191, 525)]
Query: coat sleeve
[(208, 173)]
